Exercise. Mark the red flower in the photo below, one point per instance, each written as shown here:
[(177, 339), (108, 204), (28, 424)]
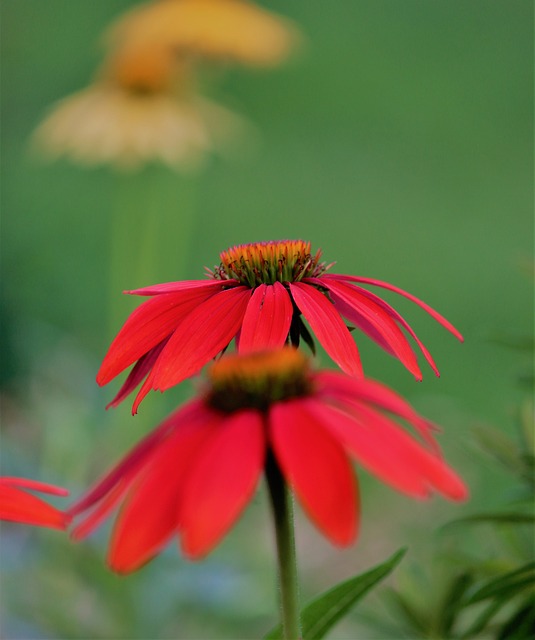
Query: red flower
[(195, 473), (19, 506), (256, 295)]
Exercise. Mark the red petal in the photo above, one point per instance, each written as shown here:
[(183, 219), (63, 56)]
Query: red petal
[(145, 388), (328, 326), (19, 506), (139, 372), (34, 485), (362, 307), (373, 454), (317, 468), (411, 455), (136, 458), (385, 285), (363, 325), (338, 386), (398, 318), (146, 327), (150, 514), (92, 520), (222, 481), (267, 319), (183, 285), (204, 333)]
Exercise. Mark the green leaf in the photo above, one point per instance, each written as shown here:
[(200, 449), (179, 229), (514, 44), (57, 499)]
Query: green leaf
[(522, 343), (521, 625), (320, 615), (496, 518), (501, 590), (452, 603), (507, 584), (500, 446), (483, 619), (417, 621), (527, 420)]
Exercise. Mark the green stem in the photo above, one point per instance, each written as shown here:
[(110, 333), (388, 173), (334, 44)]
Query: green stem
[(150, 233), (168, 226), (281, 502)]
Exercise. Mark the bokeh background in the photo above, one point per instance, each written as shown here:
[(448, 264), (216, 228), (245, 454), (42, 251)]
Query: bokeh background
[(399, 140)]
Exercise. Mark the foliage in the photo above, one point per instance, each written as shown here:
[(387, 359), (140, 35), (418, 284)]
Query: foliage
[(490, 597), (320, 615)]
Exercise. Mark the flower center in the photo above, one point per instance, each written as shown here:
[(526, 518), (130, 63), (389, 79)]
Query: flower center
[(269, 262), (257, 380), (142, 71)]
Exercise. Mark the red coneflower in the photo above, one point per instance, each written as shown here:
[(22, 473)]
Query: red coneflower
[(17, 505), (257, 295), (195, 473)]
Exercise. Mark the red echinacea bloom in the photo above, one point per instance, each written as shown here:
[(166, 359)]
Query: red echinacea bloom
[(195, 473), (17, 505), (256, 295)]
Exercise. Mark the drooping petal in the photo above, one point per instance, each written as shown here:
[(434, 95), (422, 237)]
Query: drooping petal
[(101, 510), (439, 475), (411, 455), (140, 370), (267, 319), (145, 388), (374, 455), (222, 480), (317, 468), (34, 485), (328, 326), (150, 514), (399, 318), (174, 287), (203, 334), (333, 385), (18, 506), (359, 306), (136, 458), (361, 323), (146, 327), (386, 285)]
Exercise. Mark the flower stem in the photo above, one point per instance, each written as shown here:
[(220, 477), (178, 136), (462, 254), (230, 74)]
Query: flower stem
[(281, 501), (151, 233)]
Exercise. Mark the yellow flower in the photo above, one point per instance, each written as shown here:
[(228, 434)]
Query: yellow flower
[(142, 106), (145, 69), (235, 30), (139, 109)]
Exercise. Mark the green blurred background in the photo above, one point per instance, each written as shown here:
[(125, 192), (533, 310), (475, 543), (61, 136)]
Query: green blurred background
[(399, 141)]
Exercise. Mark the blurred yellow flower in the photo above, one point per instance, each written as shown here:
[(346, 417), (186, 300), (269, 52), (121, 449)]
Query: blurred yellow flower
[(235, 30), (143, 107), (140, 109)]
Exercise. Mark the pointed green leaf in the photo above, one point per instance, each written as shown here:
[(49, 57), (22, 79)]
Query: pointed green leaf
[(274, 634), (320, 615), (521, 625), (417, 621), (507, 584), (452, 603), (527, 425), (522, 343), (483, 619), (496, 518), (324, 612), (499, 445)]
